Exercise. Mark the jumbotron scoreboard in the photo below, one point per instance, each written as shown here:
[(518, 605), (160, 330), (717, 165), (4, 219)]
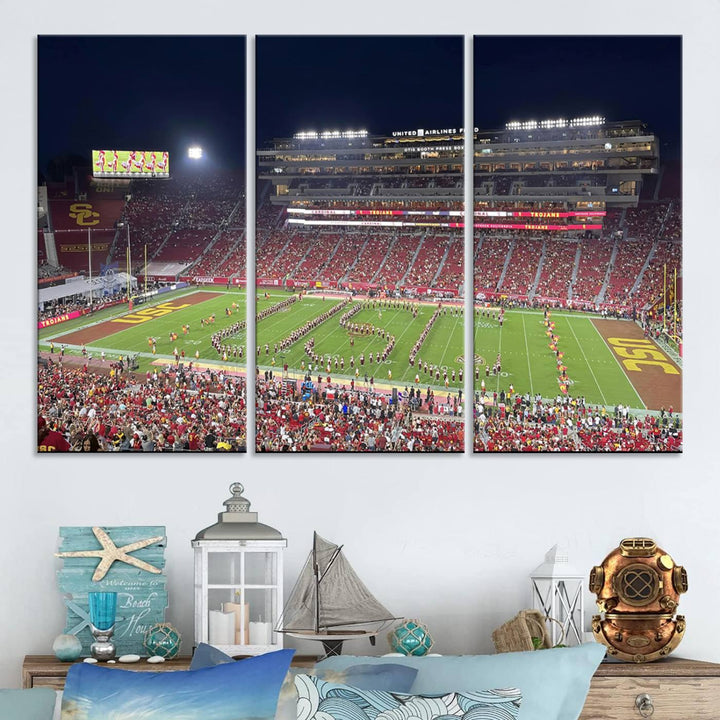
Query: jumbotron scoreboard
[(130, 163)]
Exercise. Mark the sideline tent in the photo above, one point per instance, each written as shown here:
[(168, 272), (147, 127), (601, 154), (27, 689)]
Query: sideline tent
[(107, 284)]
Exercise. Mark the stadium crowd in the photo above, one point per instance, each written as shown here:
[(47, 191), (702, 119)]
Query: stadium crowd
[(78, 303), (167, 410), (339, 419), (567, 424)]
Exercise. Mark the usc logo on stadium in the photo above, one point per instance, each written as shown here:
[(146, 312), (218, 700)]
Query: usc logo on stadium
[(84, 214)]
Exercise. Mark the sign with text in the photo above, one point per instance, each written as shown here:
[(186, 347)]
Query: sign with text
[(142, 593), (59, 318)]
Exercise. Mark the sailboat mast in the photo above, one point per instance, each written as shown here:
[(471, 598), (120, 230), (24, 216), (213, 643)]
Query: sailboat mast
[(316, 573)]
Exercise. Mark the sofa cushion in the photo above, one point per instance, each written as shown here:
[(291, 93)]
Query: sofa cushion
[(393, 677), (322, 700), (208, 656), (554, 682), (389, 678), (30, 704), (247, 689)]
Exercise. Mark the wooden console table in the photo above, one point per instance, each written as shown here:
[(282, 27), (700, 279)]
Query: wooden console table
[(676, 689), (48, 671)]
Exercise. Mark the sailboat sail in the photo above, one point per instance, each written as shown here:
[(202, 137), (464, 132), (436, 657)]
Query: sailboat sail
[(329, 594)]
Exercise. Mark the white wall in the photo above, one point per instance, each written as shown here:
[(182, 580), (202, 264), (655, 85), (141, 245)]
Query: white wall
[(450, 540)]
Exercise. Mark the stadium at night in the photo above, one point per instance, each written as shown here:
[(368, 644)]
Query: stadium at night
[(361, 301)]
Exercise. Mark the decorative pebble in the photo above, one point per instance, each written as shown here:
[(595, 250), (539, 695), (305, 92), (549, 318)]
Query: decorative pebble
[(90, 661), (110, 662), (156, 659), (128, 658)]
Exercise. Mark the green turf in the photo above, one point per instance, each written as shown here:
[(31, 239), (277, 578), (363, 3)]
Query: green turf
[(134, 339), (530, 365), (527, 361), (443, 346), (110, 312)]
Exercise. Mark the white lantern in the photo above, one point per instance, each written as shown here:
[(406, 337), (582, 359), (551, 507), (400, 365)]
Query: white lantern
[(238, 581), (557, 591)]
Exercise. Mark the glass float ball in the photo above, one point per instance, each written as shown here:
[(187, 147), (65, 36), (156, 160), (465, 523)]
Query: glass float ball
[(411, 638), (67, 648), (162, 639)]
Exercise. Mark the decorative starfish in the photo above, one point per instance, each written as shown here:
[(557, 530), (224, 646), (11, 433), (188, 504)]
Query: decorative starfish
[(110, 553), (84, 616)]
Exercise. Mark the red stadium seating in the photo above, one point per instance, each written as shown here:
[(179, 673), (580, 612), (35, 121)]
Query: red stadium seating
[(322, 248), (489, 262), (371, 257), (594, 260), (558, 264), (174, 220), (428, 261), (522, 268), (397, 261), (452, 272)]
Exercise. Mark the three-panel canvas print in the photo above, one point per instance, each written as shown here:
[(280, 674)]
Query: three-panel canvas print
[(342, 269)]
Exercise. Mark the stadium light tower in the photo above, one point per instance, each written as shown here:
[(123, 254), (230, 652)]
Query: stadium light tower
[(195, 152)]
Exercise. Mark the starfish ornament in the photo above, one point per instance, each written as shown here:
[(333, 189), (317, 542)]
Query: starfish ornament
[(110, 553), (82, 614)]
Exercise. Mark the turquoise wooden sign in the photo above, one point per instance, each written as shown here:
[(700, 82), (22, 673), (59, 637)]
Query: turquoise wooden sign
[(127, 560)]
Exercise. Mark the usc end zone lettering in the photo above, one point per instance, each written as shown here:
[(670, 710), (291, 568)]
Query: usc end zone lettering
[(146, 314), (641, 352)]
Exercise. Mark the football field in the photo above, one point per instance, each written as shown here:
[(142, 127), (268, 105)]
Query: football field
[(441, 349), (116, 331), (607, 361)]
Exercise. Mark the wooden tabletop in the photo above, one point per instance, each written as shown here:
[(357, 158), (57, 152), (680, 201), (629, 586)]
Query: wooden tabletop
[(667, 667), (48, 671)]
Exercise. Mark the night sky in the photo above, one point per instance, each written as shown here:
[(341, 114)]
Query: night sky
[(621, 78), (155, 92), (377, 83), (142, 93)]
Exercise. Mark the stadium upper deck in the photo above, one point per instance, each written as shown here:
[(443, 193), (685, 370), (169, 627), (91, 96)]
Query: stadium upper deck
[(354, 166), (580, 162), (577, 165)]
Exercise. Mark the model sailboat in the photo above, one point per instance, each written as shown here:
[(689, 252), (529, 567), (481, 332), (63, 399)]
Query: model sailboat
[(330, 603)]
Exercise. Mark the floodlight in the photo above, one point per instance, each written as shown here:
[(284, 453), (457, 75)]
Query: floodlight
[(195, 152)]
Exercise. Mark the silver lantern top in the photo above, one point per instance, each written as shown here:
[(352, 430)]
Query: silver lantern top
[(237, 522)]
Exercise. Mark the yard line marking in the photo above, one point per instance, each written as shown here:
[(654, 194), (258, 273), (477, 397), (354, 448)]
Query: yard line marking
[(597, 384), (557, 314), (527, 355), (624, 372), (271, 323), (447, 344), (373, 344), (497, 377), (476, 342)]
